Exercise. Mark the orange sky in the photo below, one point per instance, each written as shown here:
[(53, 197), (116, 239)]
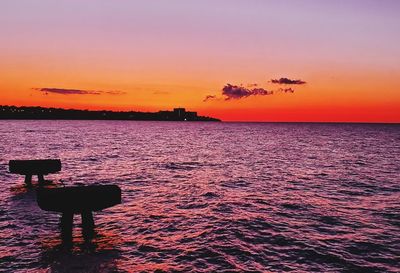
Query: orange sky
[(174, 55)]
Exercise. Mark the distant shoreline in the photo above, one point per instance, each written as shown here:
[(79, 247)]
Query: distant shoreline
[(180, 114), (42, 113), (225, 122)]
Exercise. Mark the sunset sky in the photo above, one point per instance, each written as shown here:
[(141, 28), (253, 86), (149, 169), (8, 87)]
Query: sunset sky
[(247, 60)]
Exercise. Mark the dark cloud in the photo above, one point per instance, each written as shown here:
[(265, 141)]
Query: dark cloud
[(237, 92), (287, 81), (209, 97), (286, 90), (64, 91)]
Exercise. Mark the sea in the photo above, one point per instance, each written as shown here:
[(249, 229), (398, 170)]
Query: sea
[(208, 197)]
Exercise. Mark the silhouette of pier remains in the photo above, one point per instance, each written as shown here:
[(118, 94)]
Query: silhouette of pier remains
[(67, 200), (34, 167), (78, 200)]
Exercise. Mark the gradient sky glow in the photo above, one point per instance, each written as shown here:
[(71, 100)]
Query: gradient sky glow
[(168, 53)]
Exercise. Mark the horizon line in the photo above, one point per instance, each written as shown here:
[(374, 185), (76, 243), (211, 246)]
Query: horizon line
[(225, 121)]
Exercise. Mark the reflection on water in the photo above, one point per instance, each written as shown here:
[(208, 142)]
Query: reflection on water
[(207, 197), (100, 255)]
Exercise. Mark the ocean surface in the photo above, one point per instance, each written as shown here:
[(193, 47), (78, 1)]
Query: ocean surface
[(209, 197)]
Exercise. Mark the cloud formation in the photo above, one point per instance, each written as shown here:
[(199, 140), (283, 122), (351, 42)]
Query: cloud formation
[(209, 97), (286, 90), (287, 81), (63, 91), (237, 92)]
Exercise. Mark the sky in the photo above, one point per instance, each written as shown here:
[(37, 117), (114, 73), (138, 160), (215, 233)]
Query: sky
[(237, 60)]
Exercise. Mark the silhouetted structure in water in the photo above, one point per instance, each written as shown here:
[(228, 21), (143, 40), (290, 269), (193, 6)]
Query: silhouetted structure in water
[(67, 200), (35, 167), (179, 114), (78, 200)]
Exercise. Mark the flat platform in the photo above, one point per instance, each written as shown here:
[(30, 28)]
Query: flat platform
[(35, 167), (78, 199)]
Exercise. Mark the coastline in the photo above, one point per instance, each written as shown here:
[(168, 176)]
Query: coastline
[(42, 113)]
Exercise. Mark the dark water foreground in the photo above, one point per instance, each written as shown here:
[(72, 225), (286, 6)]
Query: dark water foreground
[(202, 197)]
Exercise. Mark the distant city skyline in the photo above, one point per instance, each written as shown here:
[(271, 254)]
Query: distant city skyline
[(235, 60)]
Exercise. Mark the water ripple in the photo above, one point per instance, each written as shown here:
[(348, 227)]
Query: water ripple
[(209, 197)]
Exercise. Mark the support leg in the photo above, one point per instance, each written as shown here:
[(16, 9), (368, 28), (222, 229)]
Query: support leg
[(28, 180), (41, 179), (87, 225), (66, 227)]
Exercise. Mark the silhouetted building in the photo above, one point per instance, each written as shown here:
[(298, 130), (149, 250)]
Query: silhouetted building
[(179, 112), (191, 115)]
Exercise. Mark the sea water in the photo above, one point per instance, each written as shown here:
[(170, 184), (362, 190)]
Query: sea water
[(209, 197)]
